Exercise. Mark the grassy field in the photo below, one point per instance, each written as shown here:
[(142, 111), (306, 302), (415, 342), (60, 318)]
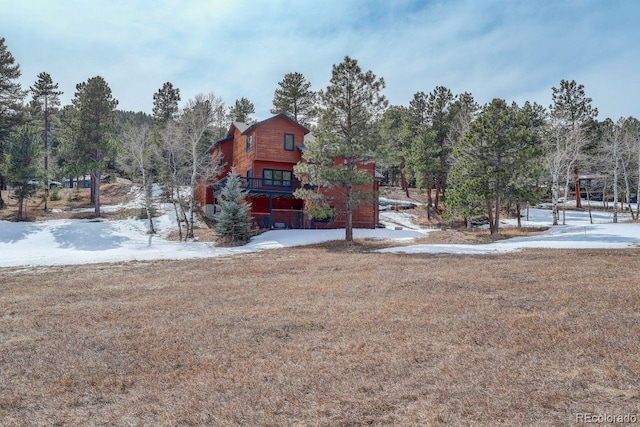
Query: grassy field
[(325, 335)]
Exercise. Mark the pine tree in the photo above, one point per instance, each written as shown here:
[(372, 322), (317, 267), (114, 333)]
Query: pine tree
[(97, 121), (295, 98), (165, 103), (491, 162), (11, 96), (347, 137), (422, 146), (233, 222), (439, 110), (47, 98), (25, 149), (241, 111), (571, 114), (396, 145)]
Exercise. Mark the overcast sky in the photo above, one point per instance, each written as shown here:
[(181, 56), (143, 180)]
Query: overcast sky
[(515, 50)]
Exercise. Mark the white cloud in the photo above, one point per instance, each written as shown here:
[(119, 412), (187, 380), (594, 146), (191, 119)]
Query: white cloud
[(512, 50)]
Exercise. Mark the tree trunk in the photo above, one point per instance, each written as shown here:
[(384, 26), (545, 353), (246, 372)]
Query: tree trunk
[(175, 208), (496, 227), (403, 178), (194, 184), (96, 184), (2, 188), (429, 200), (46, 154), (437, 201), (564, 203), (490, 215), (349, 221), (615, 194), (554, 198), (616, 157), (20, 205), (628, 195), (577, 185), (93, 189), (589, 201), (147, 201), (518, 215)]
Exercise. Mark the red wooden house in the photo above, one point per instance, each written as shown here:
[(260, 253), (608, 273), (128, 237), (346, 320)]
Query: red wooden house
[(264, 154)]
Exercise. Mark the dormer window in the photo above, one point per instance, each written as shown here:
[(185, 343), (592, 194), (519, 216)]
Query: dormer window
[(288, 142), (249, 139)]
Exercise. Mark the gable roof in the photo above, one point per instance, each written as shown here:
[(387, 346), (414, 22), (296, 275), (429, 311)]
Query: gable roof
[(241, 126), (281, 115)]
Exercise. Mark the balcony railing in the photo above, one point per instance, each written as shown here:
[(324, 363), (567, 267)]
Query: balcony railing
[(271, 185)]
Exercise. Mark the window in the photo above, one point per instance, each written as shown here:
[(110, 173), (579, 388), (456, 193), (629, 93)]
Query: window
[(288, 141), (249, 139), (276, 178)]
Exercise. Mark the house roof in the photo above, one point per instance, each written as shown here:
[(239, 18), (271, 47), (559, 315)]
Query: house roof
[(241, 126), (281, 115), (220, 141)]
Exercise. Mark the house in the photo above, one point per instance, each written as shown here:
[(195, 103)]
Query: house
[(264, 154), (83, 181)]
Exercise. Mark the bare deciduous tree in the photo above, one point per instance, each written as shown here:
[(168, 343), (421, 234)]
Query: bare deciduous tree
[(139, 152), (185, 142)]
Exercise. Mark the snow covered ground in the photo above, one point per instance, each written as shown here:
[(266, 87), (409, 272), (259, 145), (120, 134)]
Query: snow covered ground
[(60, 242), (579, 233)]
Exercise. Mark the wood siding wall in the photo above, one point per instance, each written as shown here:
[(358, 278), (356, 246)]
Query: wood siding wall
[(269, 141), (226, 151), (364, 216), (242, 160)]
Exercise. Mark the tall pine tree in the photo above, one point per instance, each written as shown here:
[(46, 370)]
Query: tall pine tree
[(571, 115), (11, 96), (97, 121), (46, 97), (165, 103), (347, 137), (295, 98)]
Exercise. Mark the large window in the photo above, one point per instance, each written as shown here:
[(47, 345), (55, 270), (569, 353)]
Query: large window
[(249, 139), (276, 178), (288, 141)]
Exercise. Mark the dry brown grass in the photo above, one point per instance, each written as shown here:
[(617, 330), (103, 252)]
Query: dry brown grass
[(323, 336)]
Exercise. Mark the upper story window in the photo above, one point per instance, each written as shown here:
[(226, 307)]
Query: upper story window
[(288, 141), (276, 178), (249, 139)]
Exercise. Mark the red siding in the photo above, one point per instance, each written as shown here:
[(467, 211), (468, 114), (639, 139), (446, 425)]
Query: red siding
[(243, 160), (364, 216), (225, 155), (270, 141)]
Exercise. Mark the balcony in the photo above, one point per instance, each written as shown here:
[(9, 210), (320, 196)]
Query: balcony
[(270, 186)]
